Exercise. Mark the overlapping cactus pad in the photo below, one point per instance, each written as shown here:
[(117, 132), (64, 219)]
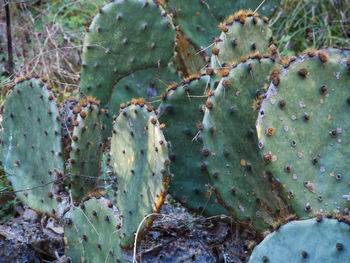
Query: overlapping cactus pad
[(86, 149), (31, 143), (148, 83), (243, 34), (313, 240), (198, 19), (304, 134), (91, 232), (139, 157), (234, 166), (182, 109), (124, 37)]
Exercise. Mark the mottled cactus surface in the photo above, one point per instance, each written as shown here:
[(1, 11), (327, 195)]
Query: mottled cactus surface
[(124, 37), (304, 134), (313, 240), (86, 149), (139, 157), (31, 144), (181, 111), (234, 166), (91, 232)]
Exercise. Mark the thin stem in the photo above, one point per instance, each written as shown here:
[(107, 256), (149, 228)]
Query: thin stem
[(9, 38)]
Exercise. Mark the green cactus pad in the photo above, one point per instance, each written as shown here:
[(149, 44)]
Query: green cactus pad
[(124, 37), (243, 34), (148, 83), (199, 19), (139, 157), (86, 149), (313, 240), (181, 110), (234, 165), (308, 150), (107, 179), (31, 144), (91, 232)]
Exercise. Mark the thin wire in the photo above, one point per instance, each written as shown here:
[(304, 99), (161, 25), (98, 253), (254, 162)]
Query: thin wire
[(53, 181)]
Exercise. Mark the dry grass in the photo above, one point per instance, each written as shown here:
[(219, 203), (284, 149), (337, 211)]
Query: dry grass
[(45, 42)]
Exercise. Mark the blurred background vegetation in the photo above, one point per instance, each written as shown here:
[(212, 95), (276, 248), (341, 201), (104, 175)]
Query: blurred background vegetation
[(48, 36)]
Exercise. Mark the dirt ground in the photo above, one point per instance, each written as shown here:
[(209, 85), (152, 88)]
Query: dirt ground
[(176, 236)]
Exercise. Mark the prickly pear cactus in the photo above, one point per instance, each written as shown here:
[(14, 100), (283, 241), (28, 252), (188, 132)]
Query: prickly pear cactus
[(234, 166), (86, 148), (139, 157), (181, 111), (243, 34), (148, 83), (313, 240), (91, 232), (124, 37), (31, 144), (198, 19), (303, 136)]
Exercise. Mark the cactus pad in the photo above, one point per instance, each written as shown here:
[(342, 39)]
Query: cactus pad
[(313, 240), (230, 142), (308, 147), (198, 19), (124, 37), (181, 110), (139, 157), (91, 232), (243, 34), (31, 150), (148, 83), (86, 149)]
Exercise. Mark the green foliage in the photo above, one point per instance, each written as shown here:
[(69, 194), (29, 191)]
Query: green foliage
[(7, 211), (71, 15), (299, 25)]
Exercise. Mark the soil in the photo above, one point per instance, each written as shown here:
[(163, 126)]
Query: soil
[(176, 236)]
